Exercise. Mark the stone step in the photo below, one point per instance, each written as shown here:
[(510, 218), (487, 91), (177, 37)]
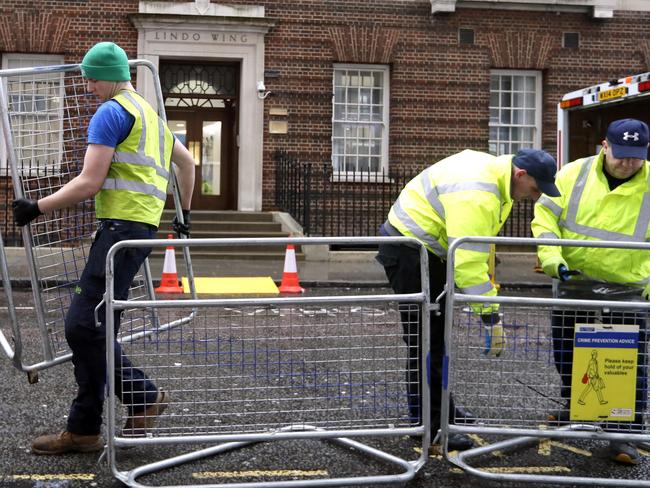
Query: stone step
[(225, 254), (222, 216), (243, 250), (229, 225), (225, 234)]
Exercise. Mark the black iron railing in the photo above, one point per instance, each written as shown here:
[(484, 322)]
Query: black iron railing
[(335, 204), (353, 204)]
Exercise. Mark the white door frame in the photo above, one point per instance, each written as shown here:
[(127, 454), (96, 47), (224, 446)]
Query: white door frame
[(174, 31)]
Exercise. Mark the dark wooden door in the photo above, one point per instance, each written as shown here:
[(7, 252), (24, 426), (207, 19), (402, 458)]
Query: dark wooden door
[(208, 134)]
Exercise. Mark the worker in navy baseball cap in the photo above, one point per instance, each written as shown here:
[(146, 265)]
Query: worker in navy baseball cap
[(628, 138), (604, 197), (541, 166)]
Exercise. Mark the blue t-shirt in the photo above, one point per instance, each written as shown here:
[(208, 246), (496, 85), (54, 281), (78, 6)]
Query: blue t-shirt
[(110, 125)]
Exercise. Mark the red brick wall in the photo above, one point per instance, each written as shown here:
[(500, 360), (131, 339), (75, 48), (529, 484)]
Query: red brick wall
[(439, 89)]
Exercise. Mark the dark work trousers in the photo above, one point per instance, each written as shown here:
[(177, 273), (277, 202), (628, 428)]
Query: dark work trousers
[(563, 328), (402, 266), (88, 340)]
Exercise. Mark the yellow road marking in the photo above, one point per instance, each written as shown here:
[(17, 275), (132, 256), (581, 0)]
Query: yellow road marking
[(435, 452), (544, 448), (50, 477), (436, 449), (482, 442), (522, 469), (259, 473)]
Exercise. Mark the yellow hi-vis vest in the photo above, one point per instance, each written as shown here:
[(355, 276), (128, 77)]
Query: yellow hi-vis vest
[(467, 194), (136, 185), (588, 210)]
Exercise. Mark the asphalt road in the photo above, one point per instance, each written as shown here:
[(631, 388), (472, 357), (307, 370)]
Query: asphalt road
[(30, 410)]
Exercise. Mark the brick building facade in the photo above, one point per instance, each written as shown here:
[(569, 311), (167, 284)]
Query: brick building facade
[(415, 82)]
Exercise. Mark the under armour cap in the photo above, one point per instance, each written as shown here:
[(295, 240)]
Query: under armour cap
[(541, 166), (628, 138), (106, 61)]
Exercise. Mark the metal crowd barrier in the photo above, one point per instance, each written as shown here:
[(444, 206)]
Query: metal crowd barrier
[(271, 369), (511, 396), (44, 114)]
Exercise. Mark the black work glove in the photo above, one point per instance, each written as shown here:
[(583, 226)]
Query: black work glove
[(25, 210), (563, 273), (180, 228)]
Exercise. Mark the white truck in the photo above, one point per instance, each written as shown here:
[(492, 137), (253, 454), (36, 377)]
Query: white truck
[(583, 115)]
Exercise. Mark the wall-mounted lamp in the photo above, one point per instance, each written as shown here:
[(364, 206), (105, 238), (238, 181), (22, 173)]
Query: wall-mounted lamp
[(261, 91)]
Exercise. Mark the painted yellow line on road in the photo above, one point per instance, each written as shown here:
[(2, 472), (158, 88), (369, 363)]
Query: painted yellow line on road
[(521, 470), (435, 452), (436, 449), (482, 442), (544, 448), (52, 477), (259, 473)]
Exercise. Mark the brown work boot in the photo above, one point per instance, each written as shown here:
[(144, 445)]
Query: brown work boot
[(141, 422), (66, 442)]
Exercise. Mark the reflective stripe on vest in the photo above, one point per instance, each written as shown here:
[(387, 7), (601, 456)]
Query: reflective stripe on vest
[(136, 186), (469, 186), (570, 222), (551, 205), (432, 193), (142, 160), (140, 157), (548, 235), (478, 289), (418, 231), (471, 246)]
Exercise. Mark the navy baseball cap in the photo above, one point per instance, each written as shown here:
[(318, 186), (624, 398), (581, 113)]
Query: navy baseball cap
[(541, 166), (628, 139)]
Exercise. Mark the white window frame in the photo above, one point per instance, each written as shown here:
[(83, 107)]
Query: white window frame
[(339, 105), (25, 60), (501, 124)]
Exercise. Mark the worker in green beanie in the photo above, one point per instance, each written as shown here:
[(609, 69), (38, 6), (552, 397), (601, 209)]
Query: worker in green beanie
[(126, 169), (106, 61)]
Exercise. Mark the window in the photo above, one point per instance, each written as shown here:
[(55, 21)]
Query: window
[(198, 85), (34, 104), (360, 119), (515, 111), (465, 36), (571, 40)]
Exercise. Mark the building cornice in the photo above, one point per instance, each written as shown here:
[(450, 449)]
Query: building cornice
[(602, 9), (146, 21)]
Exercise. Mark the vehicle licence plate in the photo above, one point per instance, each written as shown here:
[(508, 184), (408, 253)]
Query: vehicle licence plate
[(617, 92)]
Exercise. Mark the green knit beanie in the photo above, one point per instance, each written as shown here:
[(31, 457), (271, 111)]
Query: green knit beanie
[(106, 61)]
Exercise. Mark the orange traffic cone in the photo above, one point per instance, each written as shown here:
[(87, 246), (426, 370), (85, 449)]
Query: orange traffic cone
[(169, 280), (290, 283)]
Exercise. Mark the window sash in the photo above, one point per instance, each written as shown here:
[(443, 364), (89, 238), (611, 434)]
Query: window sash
[(35, 111), (515, 110), (360, 119)]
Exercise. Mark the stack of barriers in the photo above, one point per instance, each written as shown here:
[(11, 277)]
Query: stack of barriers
[(44, 117), (592, 380), (269, 369)]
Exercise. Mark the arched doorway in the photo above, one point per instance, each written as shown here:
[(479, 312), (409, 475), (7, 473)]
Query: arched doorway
[(201, 107)]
